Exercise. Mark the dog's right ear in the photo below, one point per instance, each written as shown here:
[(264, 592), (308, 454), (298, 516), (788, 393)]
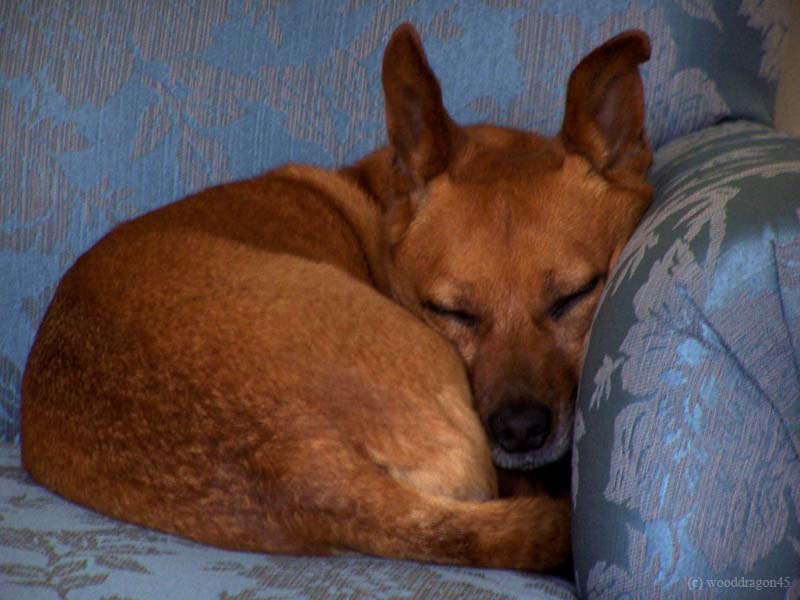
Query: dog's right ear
[(604, 113), (421, 133)]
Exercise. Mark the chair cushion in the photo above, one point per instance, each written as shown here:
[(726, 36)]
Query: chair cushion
[(687, 436)]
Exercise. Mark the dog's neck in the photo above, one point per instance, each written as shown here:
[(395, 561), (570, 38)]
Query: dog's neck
[(359, 206), (375, 175), (377, 178)]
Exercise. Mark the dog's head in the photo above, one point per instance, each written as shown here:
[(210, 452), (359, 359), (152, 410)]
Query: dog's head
[(502, 240)]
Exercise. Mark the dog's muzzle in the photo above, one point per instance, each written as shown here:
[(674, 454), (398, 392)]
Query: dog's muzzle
[(521, 428), (525, 436)]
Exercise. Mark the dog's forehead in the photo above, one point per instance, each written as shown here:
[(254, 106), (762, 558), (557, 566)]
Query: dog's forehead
[(526, 236), (522, 193), (531, 223), (492, 156)]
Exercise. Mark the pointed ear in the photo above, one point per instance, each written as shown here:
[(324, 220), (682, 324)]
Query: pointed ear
[(421, 132), (604, 114)]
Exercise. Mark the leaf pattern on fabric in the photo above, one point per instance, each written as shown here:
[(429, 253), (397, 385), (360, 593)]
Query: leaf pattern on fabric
[(607, 580), (101, 41), (602, 380), (668, 87), (703, 396), (28, 147), (369, 577), (771, 18), (702, 10), (760, 481), (578, 431), (73, 560), (700, 196), (10, 388)]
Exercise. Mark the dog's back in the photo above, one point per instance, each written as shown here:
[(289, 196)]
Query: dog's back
[(238, 394)]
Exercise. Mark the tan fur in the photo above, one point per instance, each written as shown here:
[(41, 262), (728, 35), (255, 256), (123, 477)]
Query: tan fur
[(260, 366)]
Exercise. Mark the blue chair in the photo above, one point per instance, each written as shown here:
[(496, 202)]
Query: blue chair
[(686, 468)]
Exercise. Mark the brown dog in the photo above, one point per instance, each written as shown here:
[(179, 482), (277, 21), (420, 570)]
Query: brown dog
[(278, 364)]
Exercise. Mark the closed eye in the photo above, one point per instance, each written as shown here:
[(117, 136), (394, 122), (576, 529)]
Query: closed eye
[(461, 317), (563, 305)]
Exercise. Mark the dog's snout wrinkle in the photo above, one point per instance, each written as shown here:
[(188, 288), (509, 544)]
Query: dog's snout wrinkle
[(520, 427)]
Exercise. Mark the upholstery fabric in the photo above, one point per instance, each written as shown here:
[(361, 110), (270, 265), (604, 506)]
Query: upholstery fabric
[(687, 435), (50, 548), (110, 108)]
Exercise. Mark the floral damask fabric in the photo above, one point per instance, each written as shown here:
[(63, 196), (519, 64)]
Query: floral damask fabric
[(110, 108), (687, 451), (687, 432), (51, 549)]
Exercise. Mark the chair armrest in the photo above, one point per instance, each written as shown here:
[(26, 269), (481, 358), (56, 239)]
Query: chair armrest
[(686, 463)]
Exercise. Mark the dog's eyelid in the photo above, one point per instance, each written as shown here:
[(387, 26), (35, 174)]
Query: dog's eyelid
[(588, 286), (464, 317), (567, 301)]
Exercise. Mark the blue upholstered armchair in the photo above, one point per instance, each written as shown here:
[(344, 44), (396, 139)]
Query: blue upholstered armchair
[(686, 462)]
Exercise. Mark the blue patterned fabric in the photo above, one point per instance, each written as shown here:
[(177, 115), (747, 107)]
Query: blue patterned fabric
[(51, 549), (687, 439), (110, 108)]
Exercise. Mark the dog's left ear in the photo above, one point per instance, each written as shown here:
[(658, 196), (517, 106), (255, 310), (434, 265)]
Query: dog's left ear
[(421, 133), (604, 113)]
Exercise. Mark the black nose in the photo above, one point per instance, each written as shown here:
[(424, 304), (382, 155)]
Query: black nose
[(520, 427)]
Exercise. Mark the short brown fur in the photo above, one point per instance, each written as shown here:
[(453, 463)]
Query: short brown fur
[(309, 361)]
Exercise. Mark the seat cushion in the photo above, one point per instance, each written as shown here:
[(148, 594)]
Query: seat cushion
[(51, 548), (687, 435)]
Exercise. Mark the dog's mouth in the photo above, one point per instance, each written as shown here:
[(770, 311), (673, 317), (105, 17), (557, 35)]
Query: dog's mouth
[(555, 447), (528, 461)]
